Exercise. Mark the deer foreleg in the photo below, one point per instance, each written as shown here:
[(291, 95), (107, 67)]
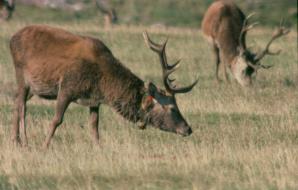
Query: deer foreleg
[(94, 123), (62, 103)]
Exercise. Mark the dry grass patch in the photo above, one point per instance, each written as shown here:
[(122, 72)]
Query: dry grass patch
[(243, 138)]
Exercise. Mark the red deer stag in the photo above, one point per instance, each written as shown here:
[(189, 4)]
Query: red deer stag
[(54, 64), (225, 26), (6, 9)]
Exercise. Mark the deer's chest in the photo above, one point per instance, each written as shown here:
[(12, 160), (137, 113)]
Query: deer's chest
[(90, 101)]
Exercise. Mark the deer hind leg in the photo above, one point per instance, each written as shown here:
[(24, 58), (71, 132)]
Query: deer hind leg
[(94, 123), (19, 115), (28, 96), (20, 109), (226, 76), (217, 61), (62, 103), (22, 122), (225, 68)]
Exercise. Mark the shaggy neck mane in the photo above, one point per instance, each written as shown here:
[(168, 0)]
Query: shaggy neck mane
[(123, 90)]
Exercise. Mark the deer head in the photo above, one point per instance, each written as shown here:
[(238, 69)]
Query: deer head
[(248, 62), (162, 109), (9, 8)]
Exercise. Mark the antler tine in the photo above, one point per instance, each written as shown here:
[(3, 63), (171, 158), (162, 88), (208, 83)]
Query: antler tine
[(250, 15), (246, 28), (175, 90), (247, 18), (258, 66), (249, 27), (160, 50), (255, 67), (266, 66), (152, 45), (281, 31), (166, 69), (187, 88), (175, 65)]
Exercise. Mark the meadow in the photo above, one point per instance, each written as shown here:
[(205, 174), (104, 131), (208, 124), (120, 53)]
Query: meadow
[(243, 138)]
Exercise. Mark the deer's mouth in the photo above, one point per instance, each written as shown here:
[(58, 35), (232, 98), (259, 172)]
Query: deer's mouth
[(184, 131)]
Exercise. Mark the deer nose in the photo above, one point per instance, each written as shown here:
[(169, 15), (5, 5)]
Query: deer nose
[(184, 131), (189, 131)]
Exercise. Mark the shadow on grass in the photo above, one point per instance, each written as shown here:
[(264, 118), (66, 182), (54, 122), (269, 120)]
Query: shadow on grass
[(28, 182), (78, 181), (156, 181)]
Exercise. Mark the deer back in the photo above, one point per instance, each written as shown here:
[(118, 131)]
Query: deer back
[(222, 26)]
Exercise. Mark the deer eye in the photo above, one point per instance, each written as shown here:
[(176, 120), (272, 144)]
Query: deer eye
[(163, 92)]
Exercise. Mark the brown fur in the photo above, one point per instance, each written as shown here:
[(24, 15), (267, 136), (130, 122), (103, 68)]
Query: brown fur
[(222, 24), (54, 64), (225, 26)]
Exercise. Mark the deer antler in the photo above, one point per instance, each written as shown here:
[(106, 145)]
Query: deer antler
[(166, 68), (281, 31), (258, 66), (245, 28)]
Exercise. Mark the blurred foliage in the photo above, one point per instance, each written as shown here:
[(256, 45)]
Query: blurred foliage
[(166, 12)]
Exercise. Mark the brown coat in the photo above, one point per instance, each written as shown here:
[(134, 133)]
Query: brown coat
[(83, 66), (225, 26), (223, 23), (55, 64)]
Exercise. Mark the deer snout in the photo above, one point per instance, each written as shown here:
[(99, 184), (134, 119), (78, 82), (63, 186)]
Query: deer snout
[(184, 131)]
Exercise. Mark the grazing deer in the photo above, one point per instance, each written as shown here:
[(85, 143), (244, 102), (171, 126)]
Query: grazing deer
[(225, 26), (110, 16), (6, 9), (54, 64)]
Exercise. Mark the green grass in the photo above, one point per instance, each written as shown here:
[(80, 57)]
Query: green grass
[(187, 13), (243, 138)]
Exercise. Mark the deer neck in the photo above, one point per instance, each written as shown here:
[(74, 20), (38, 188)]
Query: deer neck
[(229, 54), (130, 106), (124, 93), (238, 69)]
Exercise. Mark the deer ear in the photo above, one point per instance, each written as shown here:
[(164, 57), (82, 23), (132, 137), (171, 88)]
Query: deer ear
[(147, 102), (151, 88), (148, 99)]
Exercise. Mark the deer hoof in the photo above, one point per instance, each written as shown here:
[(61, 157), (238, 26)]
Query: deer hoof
[(141, 125)]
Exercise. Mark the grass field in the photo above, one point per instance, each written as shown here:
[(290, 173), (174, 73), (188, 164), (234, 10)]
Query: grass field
[(243, 138)]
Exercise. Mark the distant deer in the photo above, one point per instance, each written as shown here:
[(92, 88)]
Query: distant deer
[(110, 16), (225, 26), (6, 9), (54, 64)]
